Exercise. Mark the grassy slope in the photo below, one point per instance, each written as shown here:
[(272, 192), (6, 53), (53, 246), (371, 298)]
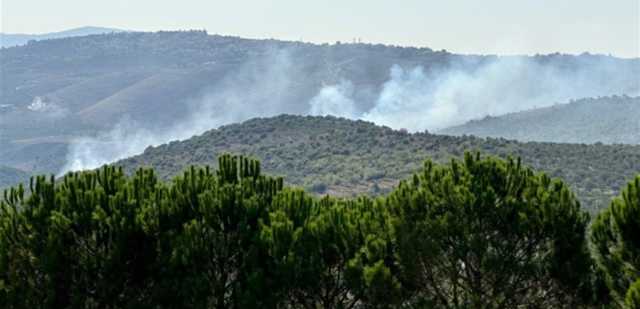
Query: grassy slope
[(607, 120), (343, 157)]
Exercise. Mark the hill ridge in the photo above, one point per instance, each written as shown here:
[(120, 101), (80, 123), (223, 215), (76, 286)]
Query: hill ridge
[(345, 157), (609, 120)]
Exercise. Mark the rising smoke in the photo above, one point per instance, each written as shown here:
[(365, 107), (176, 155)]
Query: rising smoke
[(414, 98), (335, 100), (418, 100), (258, 88)]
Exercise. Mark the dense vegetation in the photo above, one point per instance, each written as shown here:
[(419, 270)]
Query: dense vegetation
[(487, 233), (609, 120), (345, 158)]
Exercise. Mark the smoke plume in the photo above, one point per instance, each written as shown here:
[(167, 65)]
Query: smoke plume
[(413, 98), (258, 88), (416, 99), (335, 100)]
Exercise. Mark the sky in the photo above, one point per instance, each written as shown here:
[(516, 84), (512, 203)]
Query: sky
[(476, 27)]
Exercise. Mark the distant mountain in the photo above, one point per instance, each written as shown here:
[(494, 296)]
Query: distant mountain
[(345, 157), (11, 39), (609, 120), (10, 176)]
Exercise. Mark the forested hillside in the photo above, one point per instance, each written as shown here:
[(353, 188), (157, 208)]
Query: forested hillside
[(329, 155), (609, 120)]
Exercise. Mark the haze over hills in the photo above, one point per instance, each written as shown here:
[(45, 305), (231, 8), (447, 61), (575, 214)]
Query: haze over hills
[(342, 157), (10, 176), (17, 39), (610, 120), (79, 102)]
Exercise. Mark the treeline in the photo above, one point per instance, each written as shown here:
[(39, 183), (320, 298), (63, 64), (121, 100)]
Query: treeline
[(481, 232)]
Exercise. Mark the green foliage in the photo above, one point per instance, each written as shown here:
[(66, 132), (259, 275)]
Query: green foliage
[(101, 239), (209, 229), (615, 235), (477, 233), (632, 298), (78, 243), (332, 253), (489, 233)]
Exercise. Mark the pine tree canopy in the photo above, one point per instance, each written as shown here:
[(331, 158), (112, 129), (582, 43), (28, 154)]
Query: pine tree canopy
[(474, 233)]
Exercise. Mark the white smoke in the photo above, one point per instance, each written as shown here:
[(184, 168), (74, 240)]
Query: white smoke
[(335, 100), (413, 98), (407, 101), (126, 138), (254, 90), (418, 100)]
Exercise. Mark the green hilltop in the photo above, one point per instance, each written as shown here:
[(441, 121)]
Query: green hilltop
[(330, 155)]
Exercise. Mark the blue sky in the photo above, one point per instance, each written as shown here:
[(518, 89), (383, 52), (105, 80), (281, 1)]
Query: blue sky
[(490, 26)]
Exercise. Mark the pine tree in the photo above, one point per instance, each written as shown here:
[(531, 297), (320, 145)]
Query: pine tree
[(615, 238), (77, 243), (213, 244), (488, 233)]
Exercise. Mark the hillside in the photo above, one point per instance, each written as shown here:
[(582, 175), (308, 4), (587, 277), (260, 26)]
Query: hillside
[(60, 90), (336, 156), (10, 176), (17, 39), (609, 120), (57, 90)]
